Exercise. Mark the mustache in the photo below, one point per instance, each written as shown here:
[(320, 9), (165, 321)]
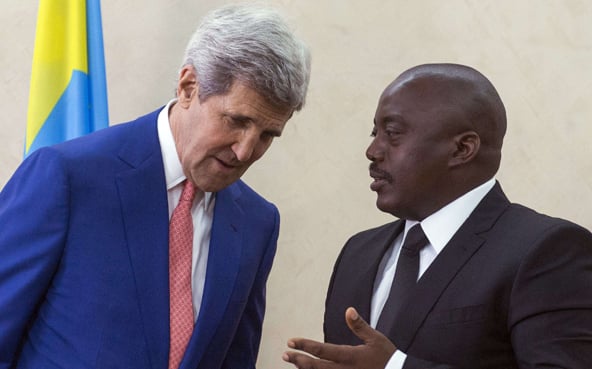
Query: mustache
[(378, 173)]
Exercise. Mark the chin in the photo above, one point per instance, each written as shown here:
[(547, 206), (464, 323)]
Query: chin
[(386, 206), (395, 207)]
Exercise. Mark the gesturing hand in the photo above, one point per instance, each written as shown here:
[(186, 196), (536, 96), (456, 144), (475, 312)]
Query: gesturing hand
[(374, 353)]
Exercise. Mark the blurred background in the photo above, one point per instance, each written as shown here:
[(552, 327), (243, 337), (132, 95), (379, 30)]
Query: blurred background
[(537, 53)]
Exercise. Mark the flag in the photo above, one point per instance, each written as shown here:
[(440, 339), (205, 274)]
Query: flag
[(68, 91)]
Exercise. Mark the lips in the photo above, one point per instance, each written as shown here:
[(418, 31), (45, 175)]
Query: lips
[(224, 163), (227, 165), (380, 176)]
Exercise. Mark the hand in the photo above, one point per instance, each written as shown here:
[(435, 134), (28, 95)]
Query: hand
[(373, 354)]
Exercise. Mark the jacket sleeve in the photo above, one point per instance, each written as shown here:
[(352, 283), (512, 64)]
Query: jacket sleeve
[(33, 221), (551, 302), (550, 309), (415, 363)]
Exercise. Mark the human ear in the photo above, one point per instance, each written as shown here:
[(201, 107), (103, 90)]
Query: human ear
[(466, 147), (187, 86)]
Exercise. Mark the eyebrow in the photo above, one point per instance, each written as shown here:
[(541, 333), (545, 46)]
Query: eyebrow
[(240, 118), (391, 118), (396, 118), (274, 132)]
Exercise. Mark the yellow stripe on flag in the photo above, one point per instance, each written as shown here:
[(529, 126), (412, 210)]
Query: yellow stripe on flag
[(60, 48)]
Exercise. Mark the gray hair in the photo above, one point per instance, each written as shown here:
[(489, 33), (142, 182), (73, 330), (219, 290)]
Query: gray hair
[(253, 45)]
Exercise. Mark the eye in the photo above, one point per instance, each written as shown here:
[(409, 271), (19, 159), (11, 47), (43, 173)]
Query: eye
[(392, 133), (373, 133), (237, 121), (394, 130), (267, 136)]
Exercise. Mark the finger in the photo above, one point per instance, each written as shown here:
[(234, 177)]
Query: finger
[(359, 327), (326, 351), (370, 336), (302, 361)]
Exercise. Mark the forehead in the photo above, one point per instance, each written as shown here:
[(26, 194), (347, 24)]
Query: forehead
[(241, 95), (417, 100), (242, 101)]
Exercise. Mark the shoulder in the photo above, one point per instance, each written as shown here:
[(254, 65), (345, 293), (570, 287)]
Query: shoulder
[(140, 130), (247, 194), (531, 238), (377, 233), (95, 155), (521, 220), (107, 140), (371, 241), (251, 202), (104, 145)]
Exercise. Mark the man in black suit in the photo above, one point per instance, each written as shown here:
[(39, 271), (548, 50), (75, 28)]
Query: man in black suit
[(494, 284)]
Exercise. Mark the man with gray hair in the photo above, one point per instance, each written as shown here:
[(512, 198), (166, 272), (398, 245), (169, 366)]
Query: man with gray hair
[(138, 246)]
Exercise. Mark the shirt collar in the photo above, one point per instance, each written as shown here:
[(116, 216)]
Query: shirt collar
[(443, 224), (173, 171)]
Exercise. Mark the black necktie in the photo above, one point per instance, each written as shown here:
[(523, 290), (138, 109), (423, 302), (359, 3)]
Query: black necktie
[(405, 277)]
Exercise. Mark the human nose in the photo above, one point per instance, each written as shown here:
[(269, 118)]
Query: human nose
[(374, 152), (245, 146)]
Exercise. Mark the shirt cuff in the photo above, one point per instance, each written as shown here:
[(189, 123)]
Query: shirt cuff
[(396, 361)]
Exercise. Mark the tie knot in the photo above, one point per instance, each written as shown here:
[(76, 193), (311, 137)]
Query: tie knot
[(415, 239), (188, 193)]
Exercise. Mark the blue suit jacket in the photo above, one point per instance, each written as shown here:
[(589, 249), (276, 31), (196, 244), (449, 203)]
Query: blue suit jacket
[(84, 260)]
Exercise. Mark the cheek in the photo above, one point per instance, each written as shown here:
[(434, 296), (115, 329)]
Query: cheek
[(204, 143), (193, 156), (193, 152)]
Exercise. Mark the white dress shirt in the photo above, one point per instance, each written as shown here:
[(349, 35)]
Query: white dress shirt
[(202, 210), (439, 229)]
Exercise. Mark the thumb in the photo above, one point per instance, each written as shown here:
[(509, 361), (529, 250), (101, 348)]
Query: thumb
[(359, 326)]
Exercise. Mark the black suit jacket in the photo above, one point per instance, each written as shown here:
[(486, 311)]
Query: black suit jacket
[(512, 289)]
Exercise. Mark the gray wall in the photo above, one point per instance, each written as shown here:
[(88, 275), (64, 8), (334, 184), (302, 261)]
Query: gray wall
[(537, 52)]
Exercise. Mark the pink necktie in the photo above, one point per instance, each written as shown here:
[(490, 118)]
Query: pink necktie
[(180, 250)]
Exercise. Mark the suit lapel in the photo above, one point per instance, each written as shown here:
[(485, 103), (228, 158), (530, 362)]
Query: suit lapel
[(223, 265), (446, 266), (143, 197), (367, 276)]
